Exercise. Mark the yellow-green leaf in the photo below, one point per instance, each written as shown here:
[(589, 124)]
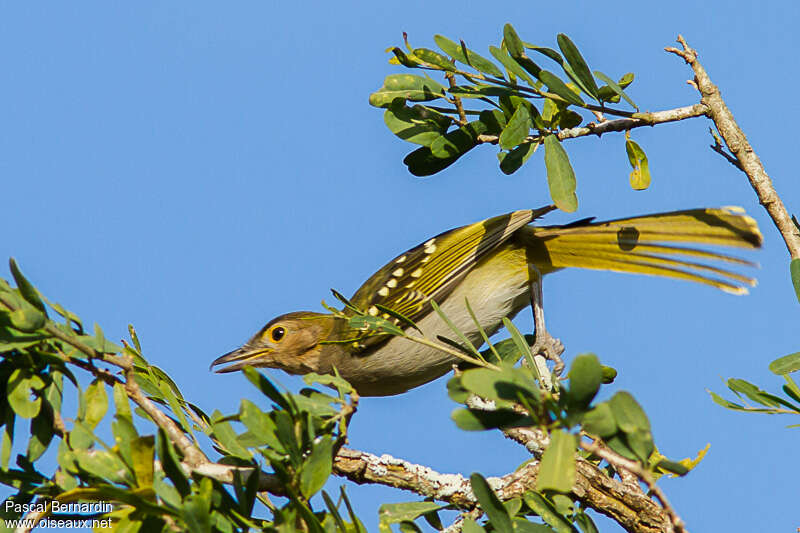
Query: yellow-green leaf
[(640, 175), (557, 469), (560, 176), (142, 454)]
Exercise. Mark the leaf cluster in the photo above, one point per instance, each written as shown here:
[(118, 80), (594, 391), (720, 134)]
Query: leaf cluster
[(146, 477), (510, 101)]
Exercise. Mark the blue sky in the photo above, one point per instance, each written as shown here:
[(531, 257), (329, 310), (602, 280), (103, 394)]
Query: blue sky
[(197, 169)]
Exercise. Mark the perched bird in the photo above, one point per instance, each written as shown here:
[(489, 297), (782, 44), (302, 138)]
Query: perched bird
[(487, 264)]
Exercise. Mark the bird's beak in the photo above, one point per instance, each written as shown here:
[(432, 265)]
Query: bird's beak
[(240, 357)]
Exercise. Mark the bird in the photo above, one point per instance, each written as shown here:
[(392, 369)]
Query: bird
[(487, 265)]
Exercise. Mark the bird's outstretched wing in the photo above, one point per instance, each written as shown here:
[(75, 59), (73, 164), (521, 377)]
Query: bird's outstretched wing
[(431, 270)]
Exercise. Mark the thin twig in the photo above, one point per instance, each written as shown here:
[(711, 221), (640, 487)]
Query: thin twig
[(457, 99), (617, 125)]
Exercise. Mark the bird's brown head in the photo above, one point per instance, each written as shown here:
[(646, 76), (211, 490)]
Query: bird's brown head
[(290, 342)]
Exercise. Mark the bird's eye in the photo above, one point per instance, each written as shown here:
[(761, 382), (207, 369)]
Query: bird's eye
[(278, 333)]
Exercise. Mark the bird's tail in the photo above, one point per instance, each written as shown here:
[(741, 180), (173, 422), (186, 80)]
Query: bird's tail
[(652, 244)]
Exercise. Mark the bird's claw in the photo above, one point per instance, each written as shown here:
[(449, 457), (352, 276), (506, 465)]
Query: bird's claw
[(551, 349)]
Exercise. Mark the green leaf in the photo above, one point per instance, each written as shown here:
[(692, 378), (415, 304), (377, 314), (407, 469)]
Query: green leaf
[(456, 391), (393, 513), (8, 438), (227, 437), (640, 175), (517, 129), (317, 468), (27, 319), (609, 375), (480, 90), (786, 364), (506, 384), (335, 512), (521, 342), (418, 124), (560, 176), (566, 118), (407, 86), (123, 407), (672, 466), (427, 161), (719, 400), (480, 63), (450, 48), (511, 64), (196, 510), (21, 386), (507, 350), (96, 403), (358, 527), (578, 64), (513, 42), (402, 58), (476, 420), (374, 323), (629, 415), (104, 465), (124, 434), (548, 513), (615, 87), (171, 464), (26, 289), (585, 522), (559, 88), (458, 142), (524, 526), (557, 469), (585, 377), (41, 434), (511, 161), (513, 506), (490, 503), (494, 119), (641, 443), (600, 421), (794, 270), (336, 382), (142, 455), (471, 526), (266, 387), (752, 392), (434, 58), (467, 344), (549, 52)]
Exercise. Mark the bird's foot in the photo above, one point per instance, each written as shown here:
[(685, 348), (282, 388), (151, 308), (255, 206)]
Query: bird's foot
[(551, 349)]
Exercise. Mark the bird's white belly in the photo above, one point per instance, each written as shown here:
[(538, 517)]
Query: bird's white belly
[(401, 364)]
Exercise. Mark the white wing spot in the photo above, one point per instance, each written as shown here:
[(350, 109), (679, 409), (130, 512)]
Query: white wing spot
[(429, 243), (430, 249), (397, 273), (400, 259), (373, 311), (392, 283), (425, 259), (410, 285), (384, 291), (417, 273)]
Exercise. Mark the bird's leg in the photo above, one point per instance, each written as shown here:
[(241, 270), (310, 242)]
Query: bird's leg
[(546, 346)]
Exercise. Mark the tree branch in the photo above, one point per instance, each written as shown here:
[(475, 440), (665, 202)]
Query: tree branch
[(741, 149), (620, 124)]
